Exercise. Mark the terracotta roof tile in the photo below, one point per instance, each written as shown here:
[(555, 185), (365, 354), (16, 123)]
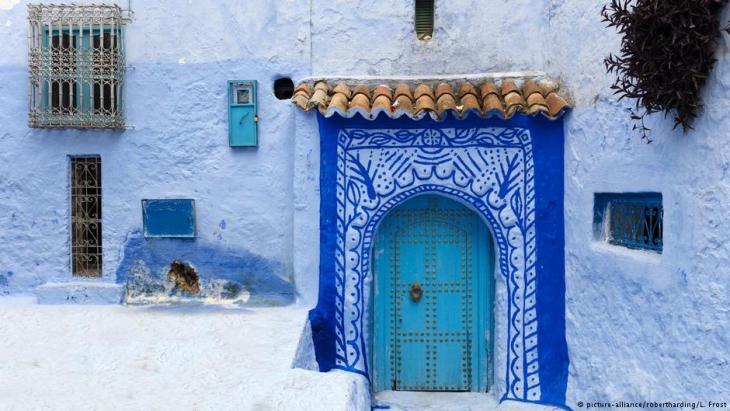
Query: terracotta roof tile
[(360, 100), (503, 99), (403, 90), (383, 90), (470, 102), (446, 102), (344, 89), (467, 88), (444, 88), (425, 102), (382, 101), (340, 101), (556, 105), (403, 102), (361, 89), (423, 89), (488, 88), (492, 104)]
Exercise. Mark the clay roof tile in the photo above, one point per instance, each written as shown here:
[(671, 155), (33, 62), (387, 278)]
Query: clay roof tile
[(509, 86), (488, 88), (344, 89), (360, 100), (403, 102), (469, 102), (531, 87), (423, 89), (382, 101), (340, 101), (320, 98), (556, 104), (446, 102), (491, 102), (444, 88), (305, 88), (536, 104), (534, 97), (361, 89), (301, 99), (425, 102), (403, 90), (383, 90), (467, 88), (322, 85)]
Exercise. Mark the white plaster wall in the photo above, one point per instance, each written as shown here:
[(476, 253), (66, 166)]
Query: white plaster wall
[(638, 326), (375, 37), (642, 326)]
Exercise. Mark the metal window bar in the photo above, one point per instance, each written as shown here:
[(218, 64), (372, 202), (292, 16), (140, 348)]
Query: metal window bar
[(86, 224), (76, 63), (636, 224), (424, 19)]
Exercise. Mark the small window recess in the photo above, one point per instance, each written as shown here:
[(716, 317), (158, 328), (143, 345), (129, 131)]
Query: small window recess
[(631, 220), (86, 219), (284, 88), (424, 19)]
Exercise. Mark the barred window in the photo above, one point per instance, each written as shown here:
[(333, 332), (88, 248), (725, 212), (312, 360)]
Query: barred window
[(76, 66), (86, 244), (632, 220)]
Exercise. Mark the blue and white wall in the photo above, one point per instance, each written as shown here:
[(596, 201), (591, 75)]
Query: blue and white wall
[(639, 326)]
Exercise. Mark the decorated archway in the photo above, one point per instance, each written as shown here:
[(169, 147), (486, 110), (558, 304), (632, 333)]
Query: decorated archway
[(370, 164)]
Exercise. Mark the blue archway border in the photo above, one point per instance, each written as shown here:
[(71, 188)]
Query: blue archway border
[(548, 159)]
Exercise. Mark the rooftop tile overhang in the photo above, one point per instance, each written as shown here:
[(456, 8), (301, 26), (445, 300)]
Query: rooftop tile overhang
[(417, 99)]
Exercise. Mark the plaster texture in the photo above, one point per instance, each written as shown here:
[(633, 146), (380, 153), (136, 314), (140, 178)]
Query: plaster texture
[(639, 325)]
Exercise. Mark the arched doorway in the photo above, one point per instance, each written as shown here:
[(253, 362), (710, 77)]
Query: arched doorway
[(433, 262)]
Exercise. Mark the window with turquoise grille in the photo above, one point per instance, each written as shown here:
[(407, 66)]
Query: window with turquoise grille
[(76, 66), (632, 220)]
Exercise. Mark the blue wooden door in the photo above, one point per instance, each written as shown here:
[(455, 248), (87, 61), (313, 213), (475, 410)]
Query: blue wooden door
[(242, 114), (432, 298)]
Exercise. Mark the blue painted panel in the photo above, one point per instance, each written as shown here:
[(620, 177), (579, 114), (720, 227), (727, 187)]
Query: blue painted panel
[(242, 113), (169, 218), (438, 249)]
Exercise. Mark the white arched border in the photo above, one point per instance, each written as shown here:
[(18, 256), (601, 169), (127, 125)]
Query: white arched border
[(489, 168)]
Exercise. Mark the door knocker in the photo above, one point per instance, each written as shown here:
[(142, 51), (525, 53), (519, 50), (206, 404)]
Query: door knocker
[(416, 292)]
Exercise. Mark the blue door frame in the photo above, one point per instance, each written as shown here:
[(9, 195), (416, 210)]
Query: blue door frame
[(432, 298)]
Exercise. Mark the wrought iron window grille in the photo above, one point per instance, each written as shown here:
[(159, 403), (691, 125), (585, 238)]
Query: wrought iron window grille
[(86, 223), (632, 220), (76, 63)]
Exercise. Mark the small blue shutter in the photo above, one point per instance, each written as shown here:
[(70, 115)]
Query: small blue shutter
[(242, 113)]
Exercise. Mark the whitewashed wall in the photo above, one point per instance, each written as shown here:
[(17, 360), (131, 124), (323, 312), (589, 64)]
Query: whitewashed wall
[(638, 326)]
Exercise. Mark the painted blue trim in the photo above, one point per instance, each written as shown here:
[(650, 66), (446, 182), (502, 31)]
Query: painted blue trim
[(548, 149)]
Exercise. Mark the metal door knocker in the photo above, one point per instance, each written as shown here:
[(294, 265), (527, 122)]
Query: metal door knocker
[(416, 292)]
